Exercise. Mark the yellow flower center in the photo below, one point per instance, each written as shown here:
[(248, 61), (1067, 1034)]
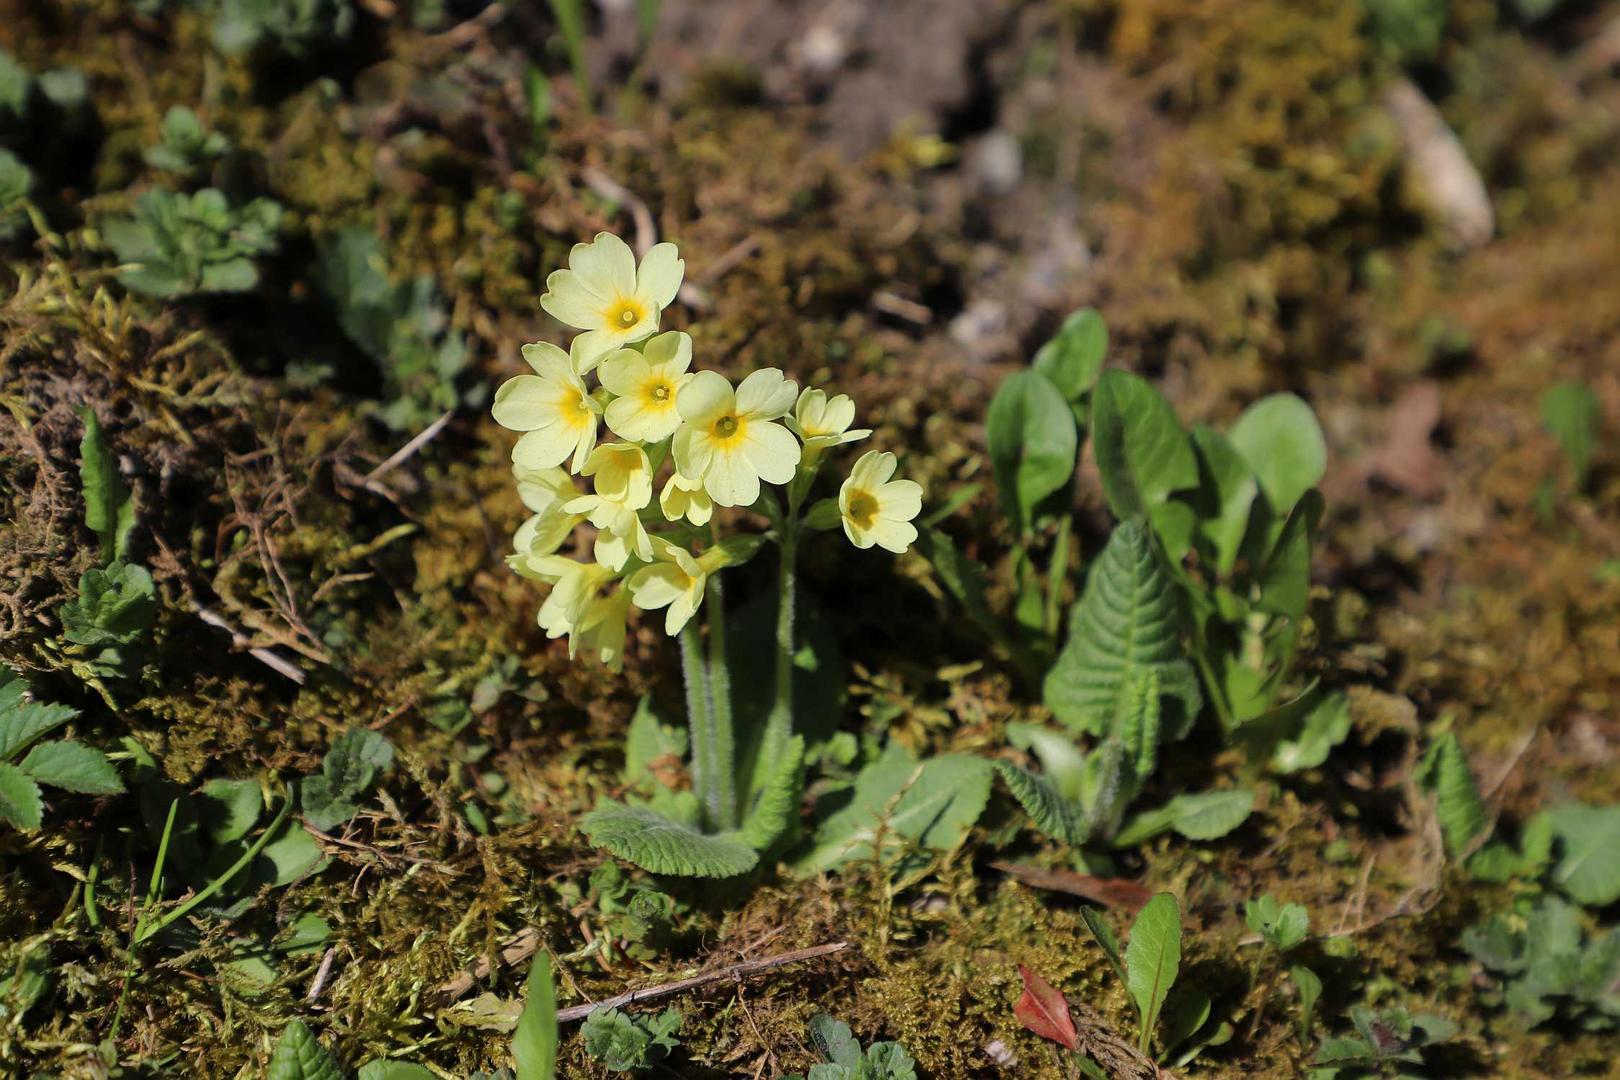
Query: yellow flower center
[(576, 410), (660, 392), (626, 312), (861, 509), (729, 428)]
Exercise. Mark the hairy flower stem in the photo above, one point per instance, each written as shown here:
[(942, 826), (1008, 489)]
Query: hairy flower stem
[(724, 810), (711, 749), (779, 724)]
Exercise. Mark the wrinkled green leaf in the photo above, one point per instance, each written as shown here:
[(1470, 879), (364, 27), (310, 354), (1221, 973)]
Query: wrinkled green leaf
[(299, 1056), (1048, 809), (20, 802), (1125, 623), (72, 766), (931, 804), (1463, 815), (108, 508), (22, 720), (653, 842)]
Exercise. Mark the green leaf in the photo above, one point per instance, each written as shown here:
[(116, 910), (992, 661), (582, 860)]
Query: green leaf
[(1227, 488), (1206, 816), (299, 1057), (534, 1042), (20, 803), (1142, 452), (395, 1070), (1104, 935), (1062, 761), (1152, 959), (72, 766), (1282, 442), (22, 720), (228, 809), (1126, 622), (115, 607), (1570, 411), (1189, 1013), (1588, 867), (653, 842), (1281, 925), (835, 1041), (348, 771), (1033, 444), (1073, 359), (108, 508), (1462, 812), (625, 1043), (649, 740), (778, 805), (1050, 812), (1325, 725), (931, 805), (1309, 986), (1285, 582)]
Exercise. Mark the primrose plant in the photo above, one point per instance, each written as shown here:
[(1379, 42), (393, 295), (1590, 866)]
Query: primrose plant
[(704, 446)]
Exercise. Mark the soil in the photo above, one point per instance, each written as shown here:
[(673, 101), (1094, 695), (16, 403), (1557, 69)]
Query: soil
[(901, 201)]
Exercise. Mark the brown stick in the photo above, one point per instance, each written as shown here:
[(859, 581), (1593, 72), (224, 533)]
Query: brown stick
[(680, 986)]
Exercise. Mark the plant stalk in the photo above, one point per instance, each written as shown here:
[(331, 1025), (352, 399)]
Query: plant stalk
[(711, 750), (779, 724), (720, 702)]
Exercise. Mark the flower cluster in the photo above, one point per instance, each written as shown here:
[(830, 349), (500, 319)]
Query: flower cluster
[(720, 443)]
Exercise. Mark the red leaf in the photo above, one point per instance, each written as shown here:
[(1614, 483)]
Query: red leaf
[(1045, 1011)]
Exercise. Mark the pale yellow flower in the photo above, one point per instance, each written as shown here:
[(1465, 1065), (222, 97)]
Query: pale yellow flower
[(823, 422), (574, 587), (730, 439), (620, 472), (544, 491), (606, 295), (685, 498), (876, 509), (646, 383), (676, 580), (602, 629), (552, 407), (623, 486)]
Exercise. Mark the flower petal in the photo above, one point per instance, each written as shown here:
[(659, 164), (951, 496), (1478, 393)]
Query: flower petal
[(545, 447), (547, 360), (706, 398), (873, 470), (766, 394), (660, 275), (900, 500), (568, 300), (772, 451), (671, 350), (730, 480), (606, 266), (621, 371)]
